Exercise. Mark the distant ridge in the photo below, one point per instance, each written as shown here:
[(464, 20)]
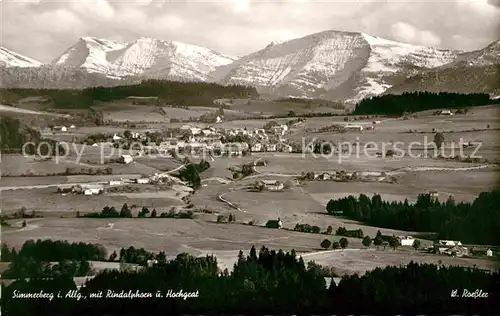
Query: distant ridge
[(333, 65)]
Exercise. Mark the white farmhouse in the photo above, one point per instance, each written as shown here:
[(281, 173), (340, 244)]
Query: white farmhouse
[(286, 148), (92, 189), (195, 130), (406, 240), (257, 147), (142, 180), (115, 182), (60, 128), (126, 159), (271, 147), (446, 112), (280, 223), (489, 253), (357, 128), (273, 185)]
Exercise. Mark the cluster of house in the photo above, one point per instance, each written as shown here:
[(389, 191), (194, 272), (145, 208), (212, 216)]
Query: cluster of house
[(196, 139), (85, 189), (338, 176), (450, 247), (447, 247), (272, 147), (455, 248), (96, 189), (210, 139)]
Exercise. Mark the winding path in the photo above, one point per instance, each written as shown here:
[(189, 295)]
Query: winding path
[(221, 198)]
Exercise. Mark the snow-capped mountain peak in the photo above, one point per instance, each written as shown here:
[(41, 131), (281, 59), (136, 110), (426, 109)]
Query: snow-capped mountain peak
[(145, 57), (10, 58), (346, 64), (89, 53)]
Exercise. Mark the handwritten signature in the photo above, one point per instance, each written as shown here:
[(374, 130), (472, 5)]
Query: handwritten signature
[(469, 294)]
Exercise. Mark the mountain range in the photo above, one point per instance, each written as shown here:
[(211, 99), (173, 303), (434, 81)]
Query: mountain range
[(336, 65)]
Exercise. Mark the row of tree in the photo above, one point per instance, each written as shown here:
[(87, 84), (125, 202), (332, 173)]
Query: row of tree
[(476, 223), (110, 212), (268, 281), (22, 267), (356, 233), (342, 243), (391, 104), (126, 212)]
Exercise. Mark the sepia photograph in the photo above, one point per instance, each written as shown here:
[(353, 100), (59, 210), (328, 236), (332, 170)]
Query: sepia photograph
[(249, 157)]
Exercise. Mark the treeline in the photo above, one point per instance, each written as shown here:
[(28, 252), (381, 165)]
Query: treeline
[(306, 228), (409, 102), (21, 268), (297, 115), (167, 92), (50, 259), (267, 282), (126, 212), (475, 223), (49, 250), (318, 102)]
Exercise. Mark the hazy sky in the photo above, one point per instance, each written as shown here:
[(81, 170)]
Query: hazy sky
[(44, 29)]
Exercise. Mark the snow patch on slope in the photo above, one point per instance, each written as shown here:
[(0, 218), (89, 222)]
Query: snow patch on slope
[(388, 56), (345, 63), (10, 58)]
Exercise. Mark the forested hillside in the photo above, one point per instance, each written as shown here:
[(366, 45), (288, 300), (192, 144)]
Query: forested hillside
[(13, 134), (167, 92), (474, 223), (392, 104)]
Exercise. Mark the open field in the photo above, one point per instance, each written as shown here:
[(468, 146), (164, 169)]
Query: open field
[(257, 107), (10, 183), (150, 113), (223, 240), (48, 201), (294, 206), (360, 261), (409, 188), (297, 163), (470, 127), (17, 165)]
